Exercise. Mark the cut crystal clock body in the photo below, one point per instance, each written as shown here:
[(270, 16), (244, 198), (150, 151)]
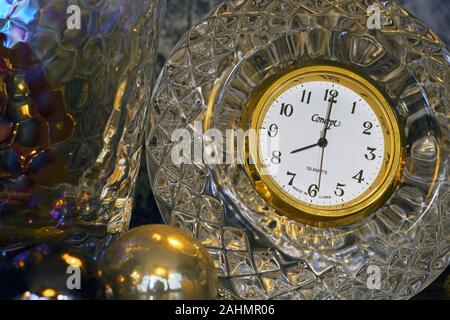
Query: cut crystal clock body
[(343, 191)]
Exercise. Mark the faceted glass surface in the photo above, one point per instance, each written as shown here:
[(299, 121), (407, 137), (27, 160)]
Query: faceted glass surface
[(73, 80), (259, 254)]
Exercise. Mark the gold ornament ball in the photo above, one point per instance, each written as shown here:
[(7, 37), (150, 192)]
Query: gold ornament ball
[(160, 262)]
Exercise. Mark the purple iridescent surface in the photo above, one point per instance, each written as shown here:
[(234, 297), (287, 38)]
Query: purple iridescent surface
[(71, 116)]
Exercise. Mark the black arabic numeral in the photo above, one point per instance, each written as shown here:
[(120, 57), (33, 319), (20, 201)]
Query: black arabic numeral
[(339, 192), (306, 96), (354, 108), (293, 175), (313, 190), (359, 176), (276, 157), (286, 110), (371, 156), (368, 126), (273, 130), (331, 95)]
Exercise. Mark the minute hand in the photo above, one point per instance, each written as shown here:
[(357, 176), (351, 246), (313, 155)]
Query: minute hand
[(323, 135)]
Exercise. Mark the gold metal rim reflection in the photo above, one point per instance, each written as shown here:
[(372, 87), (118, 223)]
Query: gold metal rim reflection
[(287, 205)]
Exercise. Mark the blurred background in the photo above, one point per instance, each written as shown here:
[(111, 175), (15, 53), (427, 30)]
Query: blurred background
[(181, 14)]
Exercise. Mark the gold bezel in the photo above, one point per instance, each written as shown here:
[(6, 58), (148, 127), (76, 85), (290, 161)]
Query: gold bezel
[(287, 205)]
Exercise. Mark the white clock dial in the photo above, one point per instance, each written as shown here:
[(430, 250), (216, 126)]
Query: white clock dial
[(322, 143)]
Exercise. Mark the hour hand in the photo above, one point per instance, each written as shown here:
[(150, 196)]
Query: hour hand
[(321, 143), (306, 148)]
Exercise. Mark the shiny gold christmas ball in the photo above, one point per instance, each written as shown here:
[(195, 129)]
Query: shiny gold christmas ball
[(159, 262)]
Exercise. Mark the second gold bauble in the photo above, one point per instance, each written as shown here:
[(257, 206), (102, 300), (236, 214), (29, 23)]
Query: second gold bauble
[(159, 262)]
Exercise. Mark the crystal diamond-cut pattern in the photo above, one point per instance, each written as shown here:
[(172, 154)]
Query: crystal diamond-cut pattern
[(308, 292), (186, 201), (249, 288), (167, 185), (184, 222), (159, 145), (275, 282), (299, 275), (334, 280), (258, 254), (235, 239), (210, 235), (210, 210), (194, 178), (292, 295), (265, 261), (240, 263), (220, 263)]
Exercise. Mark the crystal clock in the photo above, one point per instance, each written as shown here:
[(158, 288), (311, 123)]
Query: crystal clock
[(336, 183)]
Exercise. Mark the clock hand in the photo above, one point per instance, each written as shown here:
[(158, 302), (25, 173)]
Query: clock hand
[(321, 167), (323, 136), (306, 148), (321, 143)]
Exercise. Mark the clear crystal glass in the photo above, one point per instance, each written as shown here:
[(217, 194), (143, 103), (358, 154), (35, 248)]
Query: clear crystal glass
[(258, 253), (73, 85)]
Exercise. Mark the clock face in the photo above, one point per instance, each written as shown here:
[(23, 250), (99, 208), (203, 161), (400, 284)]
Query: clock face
[(316, 158), (327, 145)]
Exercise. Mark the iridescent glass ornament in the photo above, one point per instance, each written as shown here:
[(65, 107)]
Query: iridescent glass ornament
[(73, 82), (393, 252)]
